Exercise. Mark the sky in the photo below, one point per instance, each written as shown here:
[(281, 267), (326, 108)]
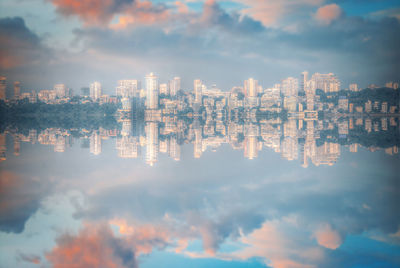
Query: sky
[(44, 42)]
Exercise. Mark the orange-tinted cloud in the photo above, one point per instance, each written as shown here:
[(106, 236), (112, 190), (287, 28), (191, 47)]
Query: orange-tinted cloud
[(102, 12), (278, 250), (327, 237), (328, 13), (271, 12), (94, 246), (98, 12)]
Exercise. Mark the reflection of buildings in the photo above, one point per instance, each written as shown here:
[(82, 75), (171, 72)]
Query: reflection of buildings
[(151, 142), (95, 143), (3, 85), (3, 147), (309, 141)]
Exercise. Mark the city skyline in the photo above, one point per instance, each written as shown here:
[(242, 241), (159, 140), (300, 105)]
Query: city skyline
[(299, 80)]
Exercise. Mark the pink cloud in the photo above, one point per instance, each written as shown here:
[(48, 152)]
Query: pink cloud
[(102, 12), (326, 14), (270, 243), (327, 237), (270, 13)]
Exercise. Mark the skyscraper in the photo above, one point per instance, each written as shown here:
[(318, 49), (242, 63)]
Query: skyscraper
[(128, 88), (290, 87), (60, 90), (3, 85), (198, 90), (17, 90), (303, 81), (250, 87), (326, 82), (174, 86), (95, 91), (151, 91)]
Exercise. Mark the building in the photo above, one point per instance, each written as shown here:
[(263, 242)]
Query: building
[(343, 103), (326, 82), (198, 90), (151, 91), (303, 81), (353, 87), (250, 88), (17, 90), (290, 87), (61, 90), (95, 91), (164, 89), (174, 86), (3, 86), (128, 88), (393, 85)]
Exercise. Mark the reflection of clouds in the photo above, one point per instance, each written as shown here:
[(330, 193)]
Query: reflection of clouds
[(94, 246), (273, 243), (19, 198)]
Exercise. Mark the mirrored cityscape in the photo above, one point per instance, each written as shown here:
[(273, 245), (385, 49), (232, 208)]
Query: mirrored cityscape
[(307, 119)]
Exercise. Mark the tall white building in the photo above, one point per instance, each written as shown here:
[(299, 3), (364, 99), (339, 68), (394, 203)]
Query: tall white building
[(174, 86), (303, 81), (61, 90), (326, 82), (95, 91), (128, 88), (290, 87), (151, 91), (250, 87), (198, 90)]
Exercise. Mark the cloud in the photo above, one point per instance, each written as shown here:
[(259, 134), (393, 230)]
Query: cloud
[(326, 14), (99, 12), (18, 45), (94, 246), (274, 13), (19, 199), (271, 242), (30, 258), (327, 237)]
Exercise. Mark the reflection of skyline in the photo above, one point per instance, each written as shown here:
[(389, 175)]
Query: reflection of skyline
[(313, 141)]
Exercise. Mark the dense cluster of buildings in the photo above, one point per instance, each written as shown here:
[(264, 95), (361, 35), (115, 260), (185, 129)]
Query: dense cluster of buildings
[(296, 95)]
